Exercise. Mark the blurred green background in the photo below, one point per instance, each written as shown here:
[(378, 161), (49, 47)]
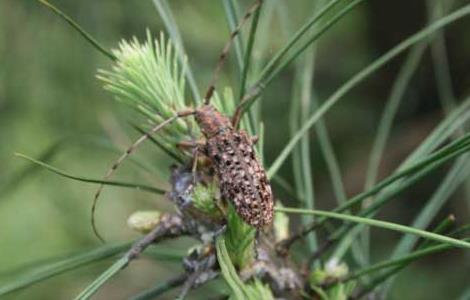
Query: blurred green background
[(49, 96)]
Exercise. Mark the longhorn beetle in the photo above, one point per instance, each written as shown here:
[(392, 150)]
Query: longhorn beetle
[(242, 179)]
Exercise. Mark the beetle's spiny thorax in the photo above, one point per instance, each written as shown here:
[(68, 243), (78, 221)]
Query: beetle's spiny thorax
[(211, 121)]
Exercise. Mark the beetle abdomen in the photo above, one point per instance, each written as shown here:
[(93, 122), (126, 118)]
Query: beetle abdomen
[(242, 179)]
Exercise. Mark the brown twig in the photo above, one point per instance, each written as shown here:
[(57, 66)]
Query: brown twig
[(170, 226), (189, 284)]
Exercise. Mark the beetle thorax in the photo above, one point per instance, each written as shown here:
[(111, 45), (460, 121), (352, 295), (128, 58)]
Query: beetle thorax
[(211, 121)]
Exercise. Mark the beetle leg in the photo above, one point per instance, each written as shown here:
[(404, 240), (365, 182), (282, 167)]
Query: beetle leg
[(189, 145), (194, 168)]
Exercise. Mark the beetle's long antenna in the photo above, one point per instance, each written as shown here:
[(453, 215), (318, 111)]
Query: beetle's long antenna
[(128, 152), (226, 49)]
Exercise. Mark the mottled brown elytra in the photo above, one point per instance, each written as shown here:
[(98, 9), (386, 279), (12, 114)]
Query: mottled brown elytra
[(242, 178)]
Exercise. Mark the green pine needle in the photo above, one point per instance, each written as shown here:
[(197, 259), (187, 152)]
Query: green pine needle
[(48, 167), (381, 224)]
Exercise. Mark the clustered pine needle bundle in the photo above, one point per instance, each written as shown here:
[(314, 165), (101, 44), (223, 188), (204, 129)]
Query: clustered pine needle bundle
[(148, 77)]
